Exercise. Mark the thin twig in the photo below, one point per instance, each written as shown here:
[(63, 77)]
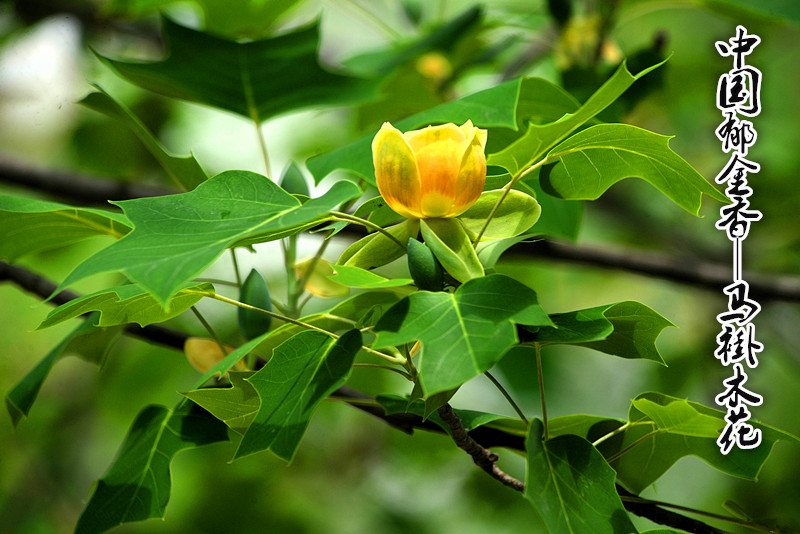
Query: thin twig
[(538, 348), (507, 395), (483, 458)]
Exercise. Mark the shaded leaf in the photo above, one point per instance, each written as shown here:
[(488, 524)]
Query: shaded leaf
[(87, 341), (464, 333), (176, 237), (186, 172), (137, 485), (572, 487), (627, 329), (235, 406), (127, 304), (302, 372), (248, 78), (28, 226), (593, 160), (471, 419)]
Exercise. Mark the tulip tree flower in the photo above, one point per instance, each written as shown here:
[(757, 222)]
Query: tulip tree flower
[(435, 172), (434, 177)]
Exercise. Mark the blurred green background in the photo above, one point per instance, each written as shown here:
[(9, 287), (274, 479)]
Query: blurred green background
[(353, 473)]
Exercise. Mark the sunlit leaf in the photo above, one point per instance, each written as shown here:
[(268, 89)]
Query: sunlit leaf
[(538, 139), (127, 304), (236, 406), (356, 277), (464, 333), (593, 160), (516, 214), (682, 428), (176, 237)]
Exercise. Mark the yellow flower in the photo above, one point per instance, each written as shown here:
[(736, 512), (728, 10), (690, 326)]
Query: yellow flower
[(438, 171)]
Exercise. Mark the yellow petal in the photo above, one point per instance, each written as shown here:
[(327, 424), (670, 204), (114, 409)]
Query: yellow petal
[(318, 283), (471, 174), (438, 150), (204, 353), (396, 171)]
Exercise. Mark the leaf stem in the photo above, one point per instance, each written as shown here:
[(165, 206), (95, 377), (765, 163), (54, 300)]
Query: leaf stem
[(209, 329), (392, 369), (516, 178), (538, 348), (397, 360), (217, 281), (508, 397), (236, 267), (618, 455), (289, 246), (338, 215)]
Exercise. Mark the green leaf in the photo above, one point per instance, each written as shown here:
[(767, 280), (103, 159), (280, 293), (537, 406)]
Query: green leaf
[(464, 333), (451, 245), (376, 249), (348, 314), (293, 181), (28, 226), (87, 341), (572, 487), (256, 79), (303, 371), (516, 214), (529, 148), (127, 304), (627, 329), (176, 237), (137, 485), (686, 429), (186, 172), (235, 406), (491, 107), (355, 277), (255, 292), (593, 160)]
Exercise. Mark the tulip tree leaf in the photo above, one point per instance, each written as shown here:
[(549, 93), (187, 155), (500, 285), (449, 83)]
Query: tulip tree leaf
[(128, 304), (256, 79), (184, 171), (593, 160), (571, 486), (627, 329), (516, 214), (87, 341), (529, 148), (682, 428), (175, 237), (502, 109), (302, 372), (356, 277), (137, 485), (235, 406), (491, 107), (28, 226), (471, 419), (464, 333)]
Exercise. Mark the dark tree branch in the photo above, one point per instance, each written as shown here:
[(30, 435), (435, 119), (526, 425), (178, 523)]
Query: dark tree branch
[(482, 457), (87, 190)]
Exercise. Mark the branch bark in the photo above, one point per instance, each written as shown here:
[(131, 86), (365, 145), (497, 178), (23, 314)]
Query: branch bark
[(475, 442), (83, 189)]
